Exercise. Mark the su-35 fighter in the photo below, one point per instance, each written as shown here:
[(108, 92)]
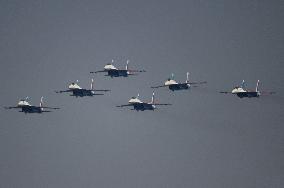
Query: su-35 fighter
[(241, 92), (138, 105), (174, 85), (26, 107), (112, 71), (77, 91)]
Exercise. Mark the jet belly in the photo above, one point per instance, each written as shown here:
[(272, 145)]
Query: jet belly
[(31, 109), (117, 73), (143, 106), (247, 94), (174, 87), (82, 92)]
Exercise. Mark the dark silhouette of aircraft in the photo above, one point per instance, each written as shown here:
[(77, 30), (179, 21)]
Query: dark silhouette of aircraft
[(26, 107), (112, 71), (77, 91), (138, 105), (173, 85)]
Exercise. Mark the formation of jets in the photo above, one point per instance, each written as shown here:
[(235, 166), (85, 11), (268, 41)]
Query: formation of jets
[(75, 90)]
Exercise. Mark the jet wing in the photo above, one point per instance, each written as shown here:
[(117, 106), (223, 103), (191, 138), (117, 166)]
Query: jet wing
[(64, 91), (92, 72), (136, 70), (104, 90), (265, 93), (132, 74), (195, 83), (52, 108), (124, 105), (11, 107), (46, 111), (159, 86), (226, 92), (162, 104)]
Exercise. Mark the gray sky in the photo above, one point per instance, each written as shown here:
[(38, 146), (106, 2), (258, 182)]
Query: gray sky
[(205, 139)]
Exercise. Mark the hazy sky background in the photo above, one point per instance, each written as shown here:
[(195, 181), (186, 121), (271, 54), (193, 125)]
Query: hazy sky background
[(205, 139)]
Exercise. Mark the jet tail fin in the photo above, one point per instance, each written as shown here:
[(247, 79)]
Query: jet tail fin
[(41, 103), (257, 85), (153, 98), (126, 67), (92, 84), (187, 77), (243, 84)]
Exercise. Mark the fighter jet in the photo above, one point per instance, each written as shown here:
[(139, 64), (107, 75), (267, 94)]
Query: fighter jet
[(112, 71), (77, 91), (138, 105), (26, 107), (173, 85), (241, 92)]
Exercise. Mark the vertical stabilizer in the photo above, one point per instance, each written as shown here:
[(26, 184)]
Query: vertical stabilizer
[(243, 84), (137, 96), (41, 103), (92, 84), (126, 67), (257, 84), (153, 98), (187, 77)]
